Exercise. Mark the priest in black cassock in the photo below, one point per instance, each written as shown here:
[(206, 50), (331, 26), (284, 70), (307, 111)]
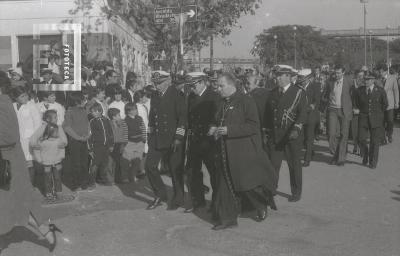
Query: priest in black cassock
[(243, 169)]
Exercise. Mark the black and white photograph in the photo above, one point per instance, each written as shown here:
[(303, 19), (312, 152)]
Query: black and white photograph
[(199, 127)]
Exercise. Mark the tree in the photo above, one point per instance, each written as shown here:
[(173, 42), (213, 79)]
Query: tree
[(315, 49), (215, 17)]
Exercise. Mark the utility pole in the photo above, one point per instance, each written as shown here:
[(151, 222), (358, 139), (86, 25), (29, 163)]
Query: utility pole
[(211, 52)]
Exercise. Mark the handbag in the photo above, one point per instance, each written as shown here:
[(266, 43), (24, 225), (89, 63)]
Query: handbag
[(5, 173)]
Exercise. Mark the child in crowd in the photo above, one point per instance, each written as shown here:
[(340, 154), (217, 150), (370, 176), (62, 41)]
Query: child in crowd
[(120, 131), (49, 102), (76, 125), (142, 100), (50, 142), (134, 150), (97, 96), (28, 121), (117, 102), (100, 145)]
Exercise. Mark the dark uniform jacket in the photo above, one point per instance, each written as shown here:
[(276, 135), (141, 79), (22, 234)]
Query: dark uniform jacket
[(167, 118), (372, 107), (202, 110), (260, 96), (313, 96), (248, 163), (283, 112)]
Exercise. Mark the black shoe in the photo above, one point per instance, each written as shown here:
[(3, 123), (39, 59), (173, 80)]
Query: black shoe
[(172, 207), (261, 215), (294, 198), (306, 164), (340, 163), (272, 204), (157, 202), (333, 162), (372, 166), (206, 189), (141, 176), (365, 161), (195, 207), (231, 224)]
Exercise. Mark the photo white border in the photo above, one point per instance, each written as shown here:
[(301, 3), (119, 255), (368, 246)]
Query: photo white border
[(77, 28)]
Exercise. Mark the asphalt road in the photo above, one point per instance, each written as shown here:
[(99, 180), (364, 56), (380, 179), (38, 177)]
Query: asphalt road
[(345, 211)]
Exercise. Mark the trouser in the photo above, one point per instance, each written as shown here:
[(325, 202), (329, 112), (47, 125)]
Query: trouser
[(79, 159), (309, 136), (339, 127), (389, 121), (292, 151), (120, 165), (199, 153), (175, 161), (354, 131), (370, 140), (52, 179), (103, 173)]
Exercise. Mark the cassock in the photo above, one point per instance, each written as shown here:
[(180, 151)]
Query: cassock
[(243, 167)]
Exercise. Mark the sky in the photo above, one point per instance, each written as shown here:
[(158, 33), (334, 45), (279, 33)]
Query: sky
[(327, 14)]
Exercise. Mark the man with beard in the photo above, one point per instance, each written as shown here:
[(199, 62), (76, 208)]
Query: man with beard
[(243, 168)]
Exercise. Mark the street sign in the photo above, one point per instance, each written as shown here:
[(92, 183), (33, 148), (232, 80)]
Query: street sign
[(191, 12), (167, 15)]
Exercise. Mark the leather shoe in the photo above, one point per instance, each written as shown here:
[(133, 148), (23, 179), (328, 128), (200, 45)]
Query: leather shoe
[(333, 162), (231, 224), (306, 164), (294, 198), (272, 204), (157, 202), (340, 164), (172, 207), (261, 215), (372, 166)]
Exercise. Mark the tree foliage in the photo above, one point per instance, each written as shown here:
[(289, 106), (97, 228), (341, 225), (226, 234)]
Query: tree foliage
[(315, 49), (215, 17)]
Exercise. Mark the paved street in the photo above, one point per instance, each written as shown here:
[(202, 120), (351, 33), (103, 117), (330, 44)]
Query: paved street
[(344, 211)]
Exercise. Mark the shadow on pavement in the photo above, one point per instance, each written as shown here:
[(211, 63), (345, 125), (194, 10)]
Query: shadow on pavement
[(397, 193), (20, 234)]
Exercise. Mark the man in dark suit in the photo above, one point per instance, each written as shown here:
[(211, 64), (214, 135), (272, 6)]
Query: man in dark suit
[(167, 125), (371, 103), (338, 98), (389, 84), (285, 115), (203, 104), (259, 94), (49, 82), (312, 90)]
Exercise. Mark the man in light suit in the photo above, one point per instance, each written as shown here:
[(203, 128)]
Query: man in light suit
[(337, 96), (389, 83)]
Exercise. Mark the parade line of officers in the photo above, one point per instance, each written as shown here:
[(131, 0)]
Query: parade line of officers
[(241, 132)]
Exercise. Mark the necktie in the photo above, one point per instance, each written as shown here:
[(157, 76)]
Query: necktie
[(369, 91)]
